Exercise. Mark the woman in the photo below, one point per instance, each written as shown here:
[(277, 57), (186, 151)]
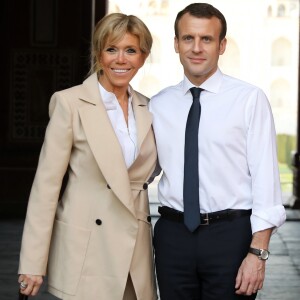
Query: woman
[(96, 242)]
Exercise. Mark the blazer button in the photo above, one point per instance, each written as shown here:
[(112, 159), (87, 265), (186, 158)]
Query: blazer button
[(98, 222), (145, 185), (108, 186), (149, 219)]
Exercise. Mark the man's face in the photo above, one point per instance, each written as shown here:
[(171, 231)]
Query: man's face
[(199, 46)]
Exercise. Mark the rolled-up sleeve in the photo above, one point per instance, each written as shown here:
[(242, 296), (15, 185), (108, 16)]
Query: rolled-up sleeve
[(267, 210)]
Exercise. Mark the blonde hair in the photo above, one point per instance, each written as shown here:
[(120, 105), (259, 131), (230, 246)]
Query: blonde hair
[(112, 28)]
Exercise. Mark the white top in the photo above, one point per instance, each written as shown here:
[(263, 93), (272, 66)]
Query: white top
[(238, 166), (127, 136)]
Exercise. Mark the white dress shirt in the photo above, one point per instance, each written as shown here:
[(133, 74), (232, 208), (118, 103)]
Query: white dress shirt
[(238, 166), (127, 135)]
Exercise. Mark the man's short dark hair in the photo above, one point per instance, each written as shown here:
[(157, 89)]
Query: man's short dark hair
[(202, 10)]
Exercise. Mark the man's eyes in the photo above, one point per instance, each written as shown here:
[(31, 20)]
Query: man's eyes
[(190, 38), (187, 38), (206, 39)]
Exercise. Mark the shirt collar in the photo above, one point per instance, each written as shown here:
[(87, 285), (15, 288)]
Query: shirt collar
[(110, 100), (212, 84)]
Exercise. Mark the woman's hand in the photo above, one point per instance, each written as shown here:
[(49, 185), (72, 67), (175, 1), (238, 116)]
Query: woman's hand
[(30, 284)]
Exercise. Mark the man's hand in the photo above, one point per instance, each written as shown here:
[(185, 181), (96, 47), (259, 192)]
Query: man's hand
[(250, 276), (32, 283)]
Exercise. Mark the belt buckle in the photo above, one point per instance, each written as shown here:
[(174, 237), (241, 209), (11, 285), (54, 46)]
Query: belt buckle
[(206, 219)]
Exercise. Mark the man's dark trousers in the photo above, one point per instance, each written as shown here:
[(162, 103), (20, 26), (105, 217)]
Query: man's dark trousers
[(201, 265)]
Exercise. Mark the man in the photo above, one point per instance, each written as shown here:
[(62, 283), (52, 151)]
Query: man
[(222, 255)]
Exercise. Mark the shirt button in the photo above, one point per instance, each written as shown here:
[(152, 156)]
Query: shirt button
[(98, 222), (108, 186), (145, 185), (149, 219)]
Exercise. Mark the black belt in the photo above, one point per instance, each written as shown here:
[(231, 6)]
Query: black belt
[(227, 214)]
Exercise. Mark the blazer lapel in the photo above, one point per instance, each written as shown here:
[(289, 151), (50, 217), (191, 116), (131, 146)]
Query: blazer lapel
[(104, 143), (143, 117)]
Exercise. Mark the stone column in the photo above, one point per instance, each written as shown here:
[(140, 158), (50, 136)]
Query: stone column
[(295, 199)]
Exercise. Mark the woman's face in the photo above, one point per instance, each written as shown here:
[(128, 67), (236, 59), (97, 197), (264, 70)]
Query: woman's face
[(120, 61)]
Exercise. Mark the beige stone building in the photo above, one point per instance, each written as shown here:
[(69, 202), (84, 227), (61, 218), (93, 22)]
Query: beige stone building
[(263, 38)]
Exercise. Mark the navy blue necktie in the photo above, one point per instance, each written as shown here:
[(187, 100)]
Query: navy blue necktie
[(191, 173)]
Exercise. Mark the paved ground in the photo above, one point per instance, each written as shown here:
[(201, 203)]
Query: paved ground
[(283, 267)]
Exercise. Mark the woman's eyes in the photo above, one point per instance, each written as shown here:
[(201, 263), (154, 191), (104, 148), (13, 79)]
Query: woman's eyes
[(131, 50), (110, 50), (115, 50)]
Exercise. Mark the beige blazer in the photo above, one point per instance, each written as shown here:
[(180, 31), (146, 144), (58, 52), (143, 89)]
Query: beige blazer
[(100, 230)]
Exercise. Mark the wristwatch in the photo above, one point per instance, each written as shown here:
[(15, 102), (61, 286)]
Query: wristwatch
[(262, 254)]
